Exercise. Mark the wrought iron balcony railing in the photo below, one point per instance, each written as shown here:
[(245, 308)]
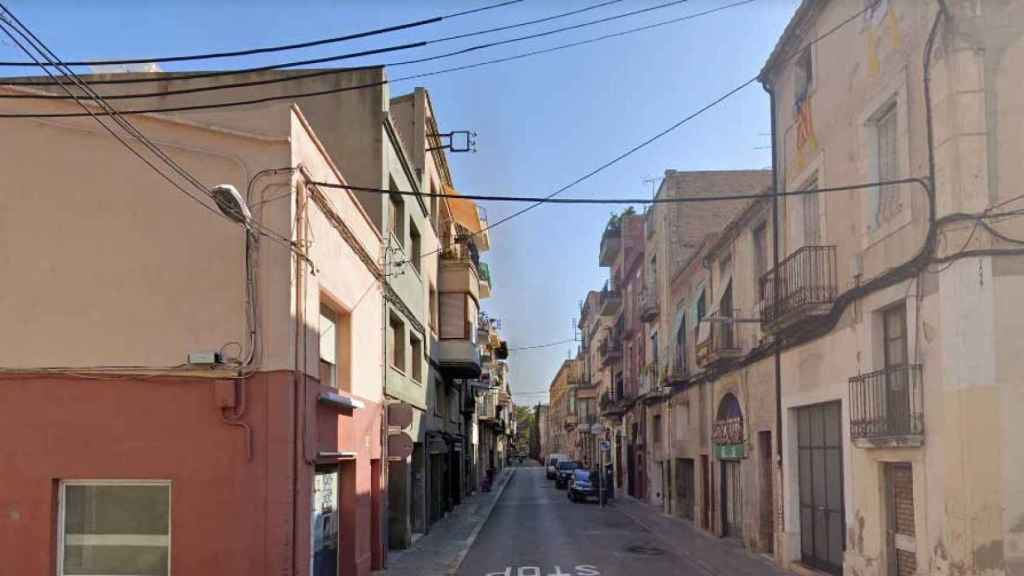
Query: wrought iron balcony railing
[(803, 284), (721, 342), (610, 350), (648, 305), (887, 404)]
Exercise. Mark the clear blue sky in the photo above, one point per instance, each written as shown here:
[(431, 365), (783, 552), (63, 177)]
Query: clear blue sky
[(542, 121)]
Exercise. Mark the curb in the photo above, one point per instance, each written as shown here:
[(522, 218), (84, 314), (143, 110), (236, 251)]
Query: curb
[(455, 564)]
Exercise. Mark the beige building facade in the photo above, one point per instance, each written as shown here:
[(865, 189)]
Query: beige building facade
[(906, 396)]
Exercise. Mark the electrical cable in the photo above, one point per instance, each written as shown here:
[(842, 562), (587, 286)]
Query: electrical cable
[(347, 56), (330, 72), (336, 72), (647, 201), (355, 87), (279, 48), (3, 26), (109, 112), (539, 346), (634, 149)]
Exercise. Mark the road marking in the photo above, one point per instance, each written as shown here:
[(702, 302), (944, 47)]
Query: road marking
[(581, 570)]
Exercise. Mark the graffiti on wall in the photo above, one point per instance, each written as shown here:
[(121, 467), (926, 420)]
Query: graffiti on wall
[(883, 33), (806, 146)]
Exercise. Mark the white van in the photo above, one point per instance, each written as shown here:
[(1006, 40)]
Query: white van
[(552, 464)]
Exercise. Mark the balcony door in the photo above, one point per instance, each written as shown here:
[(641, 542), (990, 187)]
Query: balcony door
[(897, 377)]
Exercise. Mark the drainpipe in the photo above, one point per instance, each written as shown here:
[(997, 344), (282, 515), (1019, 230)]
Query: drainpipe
[(775, 265)]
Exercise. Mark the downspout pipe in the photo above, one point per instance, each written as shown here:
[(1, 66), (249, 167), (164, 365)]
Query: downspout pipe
[(775, 266)]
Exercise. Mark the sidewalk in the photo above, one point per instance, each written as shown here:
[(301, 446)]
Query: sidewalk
[(717, 556), (440, 552)]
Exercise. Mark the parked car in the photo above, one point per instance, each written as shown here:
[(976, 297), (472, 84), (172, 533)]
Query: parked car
[(552, 467), (583, 485), (565, 469)]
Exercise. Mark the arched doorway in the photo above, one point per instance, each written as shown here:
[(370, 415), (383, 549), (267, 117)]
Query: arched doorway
[(728, 438)]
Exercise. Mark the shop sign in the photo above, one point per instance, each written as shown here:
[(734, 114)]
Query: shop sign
[(730, 451)]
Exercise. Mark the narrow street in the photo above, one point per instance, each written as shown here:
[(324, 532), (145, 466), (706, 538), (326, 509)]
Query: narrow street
[(535, 530)]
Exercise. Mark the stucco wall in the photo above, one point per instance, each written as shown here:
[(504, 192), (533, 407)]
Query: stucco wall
[(103, 270)]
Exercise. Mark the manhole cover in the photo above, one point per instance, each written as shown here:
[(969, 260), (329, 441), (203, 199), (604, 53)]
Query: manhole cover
[(642, 550)]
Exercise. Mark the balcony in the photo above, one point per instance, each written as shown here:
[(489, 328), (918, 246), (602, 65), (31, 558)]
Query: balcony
[(614, 406), (611, 243), (487, 407), (459, 269), (571, 420), (459, 358), (611, 302), (648, 305), (720, 344), (610, 350), (803, 285), (485, 280), (886, 408)]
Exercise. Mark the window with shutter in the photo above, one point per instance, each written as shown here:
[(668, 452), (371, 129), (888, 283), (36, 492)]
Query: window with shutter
[(812, 214), (888, 165), (453, 315)]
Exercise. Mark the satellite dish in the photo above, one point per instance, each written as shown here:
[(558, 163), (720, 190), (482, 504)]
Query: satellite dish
[(231, 203)]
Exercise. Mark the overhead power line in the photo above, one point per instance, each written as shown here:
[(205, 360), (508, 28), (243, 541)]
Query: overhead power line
[(29, 38), (9, 22), (269, 49), (339, 57), (796, 53), (319, 73), (647, 201), (540, 346), (312, 94)]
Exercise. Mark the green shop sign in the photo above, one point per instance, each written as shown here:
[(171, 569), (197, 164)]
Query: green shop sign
[(729, 451)]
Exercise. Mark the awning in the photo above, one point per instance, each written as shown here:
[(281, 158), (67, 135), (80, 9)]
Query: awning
[(339, 401), (464, 212)]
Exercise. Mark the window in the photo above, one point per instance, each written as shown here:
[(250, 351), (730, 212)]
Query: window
[(415, 247), (434, 207), (432, 295), (396, 341), (894, 332), (335, 348), (396, 215), (114, 527), (654, 354), (454, 315), (681, 345), (328, 348), (440, 402), (803, 76), (657, 428), (760, 250), (416, 349), (888, 163), (812, 214), (701, 307)]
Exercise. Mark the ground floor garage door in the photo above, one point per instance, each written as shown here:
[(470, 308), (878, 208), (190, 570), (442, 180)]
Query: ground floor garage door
[(822, 521)]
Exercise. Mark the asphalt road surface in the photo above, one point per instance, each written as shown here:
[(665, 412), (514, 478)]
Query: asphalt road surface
[(535, 530)]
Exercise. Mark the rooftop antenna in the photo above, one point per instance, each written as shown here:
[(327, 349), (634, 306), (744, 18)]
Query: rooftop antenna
[(652, 181)]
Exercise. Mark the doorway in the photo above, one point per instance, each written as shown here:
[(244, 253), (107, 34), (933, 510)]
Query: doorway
[(324, 522), (822, 516), (376, 528), (766, 520), (732, 500), (684, 487), (899, 534), (631, 469), (705, 491)]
